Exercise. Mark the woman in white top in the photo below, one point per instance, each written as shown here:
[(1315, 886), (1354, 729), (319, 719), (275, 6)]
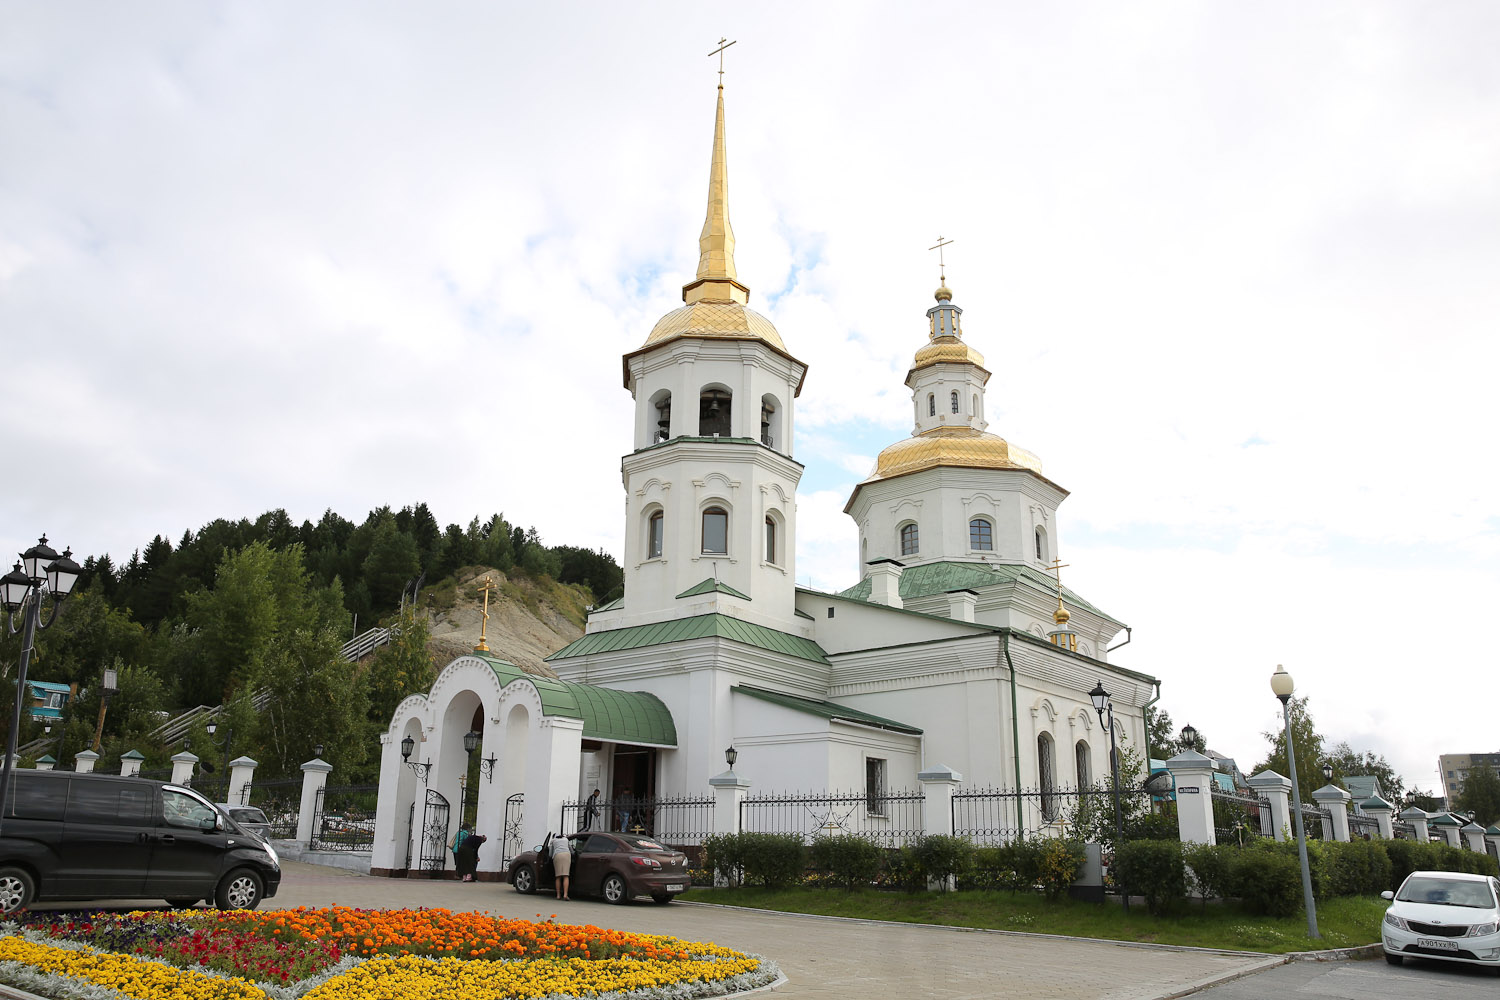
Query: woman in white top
[(562, 864)]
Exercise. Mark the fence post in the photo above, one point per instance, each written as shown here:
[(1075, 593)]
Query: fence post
[(46, 762), (1278, 790), (1381, 811), (938, 784), (314, 777), (1474, 834), (84, 761), (1418, 820), (1336, 801), (241, 773), (729, 791), (182, 767), (1193, 774), (1448, 827), (130, 763)]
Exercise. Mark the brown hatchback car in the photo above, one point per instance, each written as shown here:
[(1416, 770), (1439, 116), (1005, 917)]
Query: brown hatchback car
[(616, 866)]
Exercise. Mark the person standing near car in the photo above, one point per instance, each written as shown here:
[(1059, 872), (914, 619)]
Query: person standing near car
[(466, 856), (562, 864)]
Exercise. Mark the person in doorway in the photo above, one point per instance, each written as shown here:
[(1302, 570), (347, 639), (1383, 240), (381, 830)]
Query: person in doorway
[(466, 856), (623, 803), (463, 834), (590, 810), (562, 864)]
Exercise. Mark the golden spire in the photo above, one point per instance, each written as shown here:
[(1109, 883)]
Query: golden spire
[(717, 279), (484, 624)]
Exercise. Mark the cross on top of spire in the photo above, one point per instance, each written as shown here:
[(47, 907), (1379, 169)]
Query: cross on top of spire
[(942, 279), (724, 43)]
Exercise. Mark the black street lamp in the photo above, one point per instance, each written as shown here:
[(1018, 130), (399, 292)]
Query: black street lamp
[(420, 770), (1103, 705), (730, 756), (108, 690), (1188, 738), (41, 571), (1328, 771), (1281, 685)]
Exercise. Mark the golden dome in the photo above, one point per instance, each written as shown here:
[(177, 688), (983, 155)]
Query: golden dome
[(715, 320), (955, 447), (1061, 616), (944, 293), (940, 350)]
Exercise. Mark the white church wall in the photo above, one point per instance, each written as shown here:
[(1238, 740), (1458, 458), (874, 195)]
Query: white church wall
[(860, 625), (782, 749)]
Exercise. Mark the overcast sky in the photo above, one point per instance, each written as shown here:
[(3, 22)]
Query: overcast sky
[(1233, 267)]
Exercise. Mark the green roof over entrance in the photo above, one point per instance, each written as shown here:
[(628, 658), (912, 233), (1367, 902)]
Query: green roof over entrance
[(696, 627), (944, 577), (607, 714), (826, 709)]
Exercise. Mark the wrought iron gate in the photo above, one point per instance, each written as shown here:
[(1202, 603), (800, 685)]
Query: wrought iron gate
[(411, 814), (512, 842), (435, 832)]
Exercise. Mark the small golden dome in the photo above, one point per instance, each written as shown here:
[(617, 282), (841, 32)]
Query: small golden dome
[(958, 447), (715, 320), (948, 349), (1061, 616), (944, 293)]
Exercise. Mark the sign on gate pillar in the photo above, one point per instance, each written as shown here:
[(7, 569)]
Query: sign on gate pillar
[(241, 774), (1193, 775), (1418, 820), (182, 768), (1278, 790), (1336, 801), (314, 777), (84, 761), (938, 784)]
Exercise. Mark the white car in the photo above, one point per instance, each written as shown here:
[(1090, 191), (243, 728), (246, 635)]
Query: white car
[(1448, 916)]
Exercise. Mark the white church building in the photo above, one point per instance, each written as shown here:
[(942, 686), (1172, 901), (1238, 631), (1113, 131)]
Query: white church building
[(955, 649)]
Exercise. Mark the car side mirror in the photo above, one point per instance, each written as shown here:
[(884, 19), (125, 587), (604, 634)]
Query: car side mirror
[(1388, 894)]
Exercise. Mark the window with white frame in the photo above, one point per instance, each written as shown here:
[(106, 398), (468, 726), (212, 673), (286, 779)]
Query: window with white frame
[(716, 531), (953, 401), (655, 532), (981, 535), (770, 539), (909, 539)]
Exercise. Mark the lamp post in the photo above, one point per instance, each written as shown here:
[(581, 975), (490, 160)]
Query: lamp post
[(420, 770), (1188, 738), (471, 743), (1282, 686), (730, 756), (108, 689), (1328, 771), (1102, 705), (212, 728), (41, 571)]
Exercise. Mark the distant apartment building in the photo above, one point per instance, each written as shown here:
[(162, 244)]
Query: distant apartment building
[(1454, 768)]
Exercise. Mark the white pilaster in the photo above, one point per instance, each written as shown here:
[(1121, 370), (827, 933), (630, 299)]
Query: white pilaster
[(1193, 775), (1278, 789)]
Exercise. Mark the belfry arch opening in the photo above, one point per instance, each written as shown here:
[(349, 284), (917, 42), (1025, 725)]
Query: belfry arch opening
[(770, 422), (661, 428), (714, 407)]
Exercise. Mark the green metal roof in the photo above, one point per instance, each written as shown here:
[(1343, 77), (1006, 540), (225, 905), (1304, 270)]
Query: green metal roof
[(826, 709), (1375, 802), (696, 627), (1362, 786), (943, 577), (607, 714), (611, 605), (1494, 829), (710, 586), (1444, 820)]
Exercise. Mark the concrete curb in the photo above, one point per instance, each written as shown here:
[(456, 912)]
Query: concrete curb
[(1221, 978), (1357, 953), (15, 993)]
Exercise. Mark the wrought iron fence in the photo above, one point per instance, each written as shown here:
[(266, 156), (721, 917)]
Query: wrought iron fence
[(676, 820), (157, 774), (1363, 827), (891, 819), (344, 818), (1402, 830), (281, 800), (1316, 822), (1238, 817), (1001, 815)]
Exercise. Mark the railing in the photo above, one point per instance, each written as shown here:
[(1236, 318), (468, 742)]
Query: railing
[(1312, 815), (344, 818), (677, 820), (1363, 827), (1238, 817), (281, 800), (1402, 830), (1001, 815), (891, 819)]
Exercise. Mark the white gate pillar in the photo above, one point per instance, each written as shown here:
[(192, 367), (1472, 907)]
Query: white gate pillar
[(241, 773), (182, 767), (729, 791), (938, 785), (1448, 827), (1380, 810), (1418, 820), (551, 779), (314, 778), (84, 761), (1193, 774), (1474, 834), (1277, 789), (130, 763), (1336, 801)]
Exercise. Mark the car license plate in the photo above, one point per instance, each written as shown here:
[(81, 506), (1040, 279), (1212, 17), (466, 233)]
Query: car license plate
[(1440, 944), (675, 887)]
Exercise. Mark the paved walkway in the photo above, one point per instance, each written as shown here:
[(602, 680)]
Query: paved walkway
[(823, 957), (1369, 980)]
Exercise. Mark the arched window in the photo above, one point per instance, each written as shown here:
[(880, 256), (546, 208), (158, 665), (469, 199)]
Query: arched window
[(655, 529), (953, 401), (713, 413), (663, 418), (767, 417), (1041, 545), (1081, 762), (716, 531), (909, 539), (975, 409), (1045, 779), (931, 405), (981, 535), (770, 539)]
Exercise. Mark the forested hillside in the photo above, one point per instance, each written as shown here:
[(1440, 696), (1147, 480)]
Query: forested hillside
[(240, 607)]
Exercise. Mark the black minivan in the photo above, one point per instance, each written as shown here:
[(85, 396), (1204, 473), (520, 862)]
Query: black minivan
[(67, 836)]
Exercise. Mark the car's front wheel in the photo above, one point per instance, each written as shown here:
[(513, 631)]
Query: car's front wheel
[(17, 890), (523, 879), (1392, 959), (240, 890), (613, 889)]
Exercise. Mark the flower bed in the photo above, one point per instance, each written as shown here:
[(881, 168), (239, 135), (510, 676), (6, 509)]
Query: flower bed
[(338, 953)]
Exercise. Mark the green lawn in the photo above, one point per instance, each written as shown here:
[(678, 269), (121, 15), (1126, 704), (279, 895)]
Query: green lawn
[(1344, 922)]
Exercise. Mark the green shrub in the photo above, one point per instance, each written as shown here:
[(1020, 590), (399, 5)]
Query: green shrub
[(1357, 868), (1153, 869), (724, 857), (942, 857), (1020, 864), (1058, 864), (1210, 866), (903, 869), (848, 858), (1267, 881), (773, 860), (1407, 856)]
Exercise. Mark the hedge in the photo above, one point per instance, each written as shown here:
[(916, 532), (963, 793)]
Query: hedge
[(772, 860)]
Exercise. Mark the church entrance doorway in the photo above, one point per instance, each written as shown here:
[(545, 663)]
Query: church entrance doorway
[(632, 787)]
